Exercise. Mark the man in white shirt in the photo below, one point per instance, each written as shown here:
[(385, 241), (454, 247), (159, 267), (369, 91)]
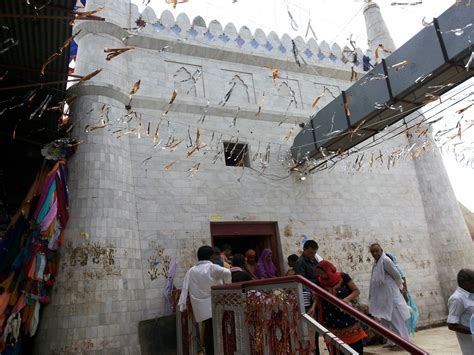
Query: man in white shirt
[(198, 282), (461, 309)]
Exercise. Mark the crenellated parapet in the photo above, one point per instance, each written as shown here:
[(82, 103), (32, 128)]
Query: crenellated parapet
[(243, 40)]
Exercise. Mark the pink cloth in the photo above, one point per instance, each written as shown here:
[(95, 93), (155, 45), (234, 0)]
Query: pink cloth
[(53, 210)]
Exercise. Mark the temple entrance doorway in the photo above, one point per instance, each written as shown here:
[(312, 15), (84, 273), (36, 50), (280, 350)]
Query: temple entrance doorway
[(248, 235)]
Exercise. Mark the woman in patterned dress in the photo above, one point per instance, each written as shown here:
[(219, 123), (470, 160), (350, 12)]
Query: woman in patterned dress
[(338, 322)]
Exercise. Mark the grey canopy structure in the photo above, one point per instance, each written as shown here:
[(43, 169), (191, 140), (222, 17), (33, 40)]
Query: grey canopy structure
[(433, 62)]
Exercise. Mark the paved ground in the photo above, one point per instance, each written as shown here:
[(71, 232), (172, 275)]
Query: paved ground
[(436, 341)]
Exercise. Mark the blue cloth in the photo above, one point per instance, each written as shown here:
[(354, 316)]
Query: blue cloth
[(395, 262), (414, 312), (47, 203), (366, 63)]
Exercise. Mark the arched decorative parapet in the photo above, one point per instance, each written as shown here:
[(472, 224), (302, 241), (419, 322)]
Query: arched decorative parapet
[(214, 30), (324, 51), (167, 19), (273, 42), (286, 43), (198, 21), (244, 38), (229, 35), (312, 50), (258, 43)]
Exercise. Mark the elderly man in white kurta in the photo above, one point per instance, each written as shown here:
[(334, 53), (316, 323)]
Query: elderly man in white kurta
[(386, 302)]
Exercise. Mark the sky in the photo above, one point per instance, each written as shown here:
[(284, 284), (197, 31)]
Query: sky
[(333, 21)]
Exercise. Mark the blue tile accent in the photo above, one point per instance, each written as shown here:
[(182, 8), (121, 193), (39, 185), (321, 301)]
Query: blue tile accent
[(268, 46), (321, 56), (158, 26), (209, 36), (333, 57), (192, 32), (240, 42), (254, 43), (176, 29), (308, 53), (282, 49), (224, 38)]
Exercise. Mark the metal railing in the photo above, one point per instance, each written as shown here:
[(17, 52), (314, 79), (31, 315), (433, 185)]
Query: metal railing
[(268, 316)]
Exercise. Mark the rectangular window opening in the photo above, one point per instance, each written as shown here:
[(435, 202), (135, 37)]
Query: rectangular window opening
[(236, 154)]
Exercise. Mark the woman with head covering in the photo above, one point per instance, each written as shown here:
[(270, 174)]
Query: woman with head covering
[(339, 323), (250, 262), (414, 312), (265, 268)]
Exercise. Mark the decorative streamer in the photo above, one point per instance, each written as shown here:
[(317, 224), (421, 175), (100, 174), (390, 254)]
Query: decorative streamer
[(135, 31), (89, 76), (400, 65), (422, 78), (468, 64), (197, 144), (370, 77), (204, 114), (260, 105), (175, 2), (156, 136), (227, 95), (257, 153), (169, 166), (354, 74), (411, 3), (42, 107), (293, 23), (173, 97), (10, 43), (53, 56), (379, 48), (347, 109), (193, 170), (114, 52), (4, 75), (295, 52), (134, 89), (234, 121), (425, 23), (310, 28), (458, 31), (85, 14)]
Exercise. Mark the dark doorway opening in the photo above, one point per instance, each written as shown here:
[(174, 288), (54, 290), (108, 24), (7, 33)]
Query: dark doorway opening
[(245, 235)]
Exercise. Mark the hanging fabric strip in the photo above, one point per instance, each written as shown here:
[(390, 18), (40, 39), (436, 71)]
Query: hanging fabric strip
[(310, 28), (293, 23)]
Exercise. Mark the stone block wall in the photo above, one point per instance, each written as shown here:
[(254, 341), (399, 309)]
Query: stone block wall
[(130, 218)]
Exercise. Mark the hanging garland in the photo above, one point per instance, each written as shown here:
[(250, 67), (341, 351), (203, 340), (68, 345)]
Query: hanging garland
[(229, 339), (29, 256), (272, 316)]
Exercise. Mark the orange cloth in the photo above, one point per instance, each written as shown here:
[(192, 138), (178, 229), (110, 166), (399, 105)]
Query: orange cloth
[(350, 335), (4, 298), (21, 303), (7, 282)]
